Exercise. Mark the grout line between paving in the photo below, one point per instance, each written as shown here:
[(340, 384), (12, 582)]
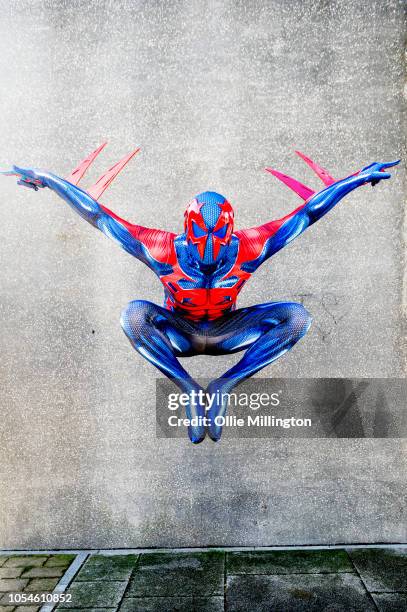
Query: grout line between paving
[(66, 579), (363, 582), (292, 574), (132, 574), (81, 557), (388, 592)]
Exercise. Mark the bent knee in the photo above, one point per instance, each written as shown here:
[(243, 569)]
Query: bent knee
[(136, 316)]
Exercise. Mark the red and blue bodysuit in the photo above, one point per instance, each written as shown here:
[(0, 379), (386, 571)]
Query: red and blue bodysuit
[(203, 270)]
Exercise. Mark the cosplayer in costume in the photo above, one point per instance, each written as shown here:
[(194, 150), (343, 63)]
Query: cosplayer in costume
[(203, 270)]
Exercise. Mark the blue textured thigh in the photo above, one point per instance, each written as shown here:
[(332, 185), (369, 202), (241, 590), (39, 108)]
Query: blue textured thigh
[(246, 325)]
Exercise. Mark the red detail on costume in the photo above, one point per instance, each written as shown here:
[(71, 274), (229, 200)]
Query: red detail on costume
[(193, 215), (325, 177), (108, 177), (197, 303), (170, 281), (80, 170), (299, 188), (202, 304), (159, 243), (253, 240), (226, 217)]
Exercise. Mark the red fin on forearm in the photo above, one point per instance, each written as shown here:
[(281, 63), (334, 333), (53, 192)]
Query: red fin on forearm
[(299, 188), (106, 179), (80, 170), (325, 177)]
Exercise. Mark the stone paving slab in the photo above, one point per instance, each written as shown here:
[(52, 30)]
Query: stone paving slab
[(27, 608), (257, 581), (177, 574), (41, 585), (62, 560), (30, 574), (4, 599), (390, 602), (10, 572), (95, 594), (43, 572), (88, 609), (311, 592), (25, 561), (289, 562), (382, 569), (99, 567), (8, 585), (173, 604)]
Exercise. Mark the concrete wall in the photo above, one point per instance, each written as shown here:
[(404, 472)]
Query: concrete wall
[(213, 91)]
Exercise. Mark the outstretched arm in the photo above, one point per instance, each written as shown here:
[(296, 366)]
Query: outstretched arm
[(153, 247), (273, 236)]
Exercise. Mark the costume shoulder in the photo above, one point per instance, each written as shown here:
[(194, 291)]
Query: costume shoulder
[(256, 241), (253, 241), (159, 244)]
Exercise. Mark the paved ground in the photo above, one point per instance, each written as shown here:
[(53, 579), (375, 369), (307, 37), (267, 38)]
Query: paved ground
[(30, 574), (282, 581)]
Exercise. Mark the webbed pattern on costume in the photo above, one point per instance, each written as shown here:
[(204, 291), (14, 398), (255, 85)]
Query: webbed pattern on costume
[(256, 242), (202, 294), (208, 226), (259, 243), (203, 271), (153, 247), (137, 247), (158, 244)]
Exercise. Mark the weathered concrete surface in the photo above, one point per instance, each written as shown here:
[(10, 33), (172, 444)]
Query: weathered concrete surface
[(213, 91)]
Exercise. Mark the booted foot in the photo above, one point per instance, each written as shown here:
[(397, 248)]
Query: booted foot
[(195, 412), (217, 391)]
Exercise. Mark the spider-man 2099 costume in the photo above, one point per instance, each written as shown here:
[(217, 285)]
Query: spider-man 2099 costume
[(202, 271)]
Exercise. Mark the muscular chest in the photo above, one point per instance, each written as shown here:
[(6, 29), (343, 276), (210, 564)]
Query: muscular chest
[(188, 287)]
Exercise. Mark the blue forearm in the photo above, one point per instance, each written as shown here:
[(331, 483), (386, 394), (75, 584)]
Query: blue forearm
[(78, 199), (95, 214), (312, 211), (315, 207), (326, 199)]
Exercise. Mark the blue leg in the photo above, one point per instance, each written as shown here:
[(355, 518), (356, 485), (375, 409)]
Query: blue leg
[(154, 333), (267, 331)]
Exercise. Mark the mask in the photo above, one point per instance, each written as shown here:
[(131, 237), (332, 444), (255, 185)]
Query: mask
[(208, 226)]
